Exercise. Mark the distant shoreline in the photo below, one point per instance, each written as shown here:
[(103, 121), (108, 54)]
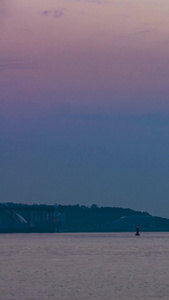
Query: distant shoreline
[(22, 218)]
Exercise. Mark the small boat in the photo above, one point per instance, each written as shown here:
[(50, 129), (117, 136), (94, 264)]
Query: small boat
[(137, 231)]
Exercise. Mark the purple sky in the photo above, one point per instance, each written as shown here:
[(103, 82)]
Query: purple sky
[(84, 103)]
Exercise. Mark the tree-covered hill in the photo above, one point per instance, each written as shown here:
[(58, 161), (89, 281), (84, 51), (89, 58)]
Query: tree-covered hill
[(83, 218), (76, 218)]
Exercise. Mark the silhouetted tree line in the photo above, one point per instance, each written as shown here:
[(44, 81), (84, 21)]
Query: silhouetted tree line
[(94, 218), (80, 218)]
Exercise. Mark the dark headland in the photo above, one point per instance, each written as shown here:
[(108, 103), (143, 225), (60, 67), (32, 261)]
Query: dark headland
[(75, 218)]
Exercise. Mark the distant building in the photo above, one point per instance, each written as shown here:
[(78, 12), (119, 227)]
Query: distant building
[(30, 218)]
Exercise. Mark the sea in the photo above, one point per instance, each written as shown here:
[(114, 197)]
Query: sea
[(84, 266)]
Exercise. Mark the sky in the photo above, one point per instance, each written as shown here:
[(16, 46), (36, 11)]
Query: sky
[(84, 103)]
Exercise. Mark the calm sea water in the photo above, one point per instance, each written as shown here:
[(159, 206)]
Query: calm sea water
[(69, 266)]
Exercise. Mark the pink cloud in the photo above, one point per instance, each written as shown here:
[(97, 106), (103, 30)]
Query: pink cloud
[(57, 13), (46, 12)]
